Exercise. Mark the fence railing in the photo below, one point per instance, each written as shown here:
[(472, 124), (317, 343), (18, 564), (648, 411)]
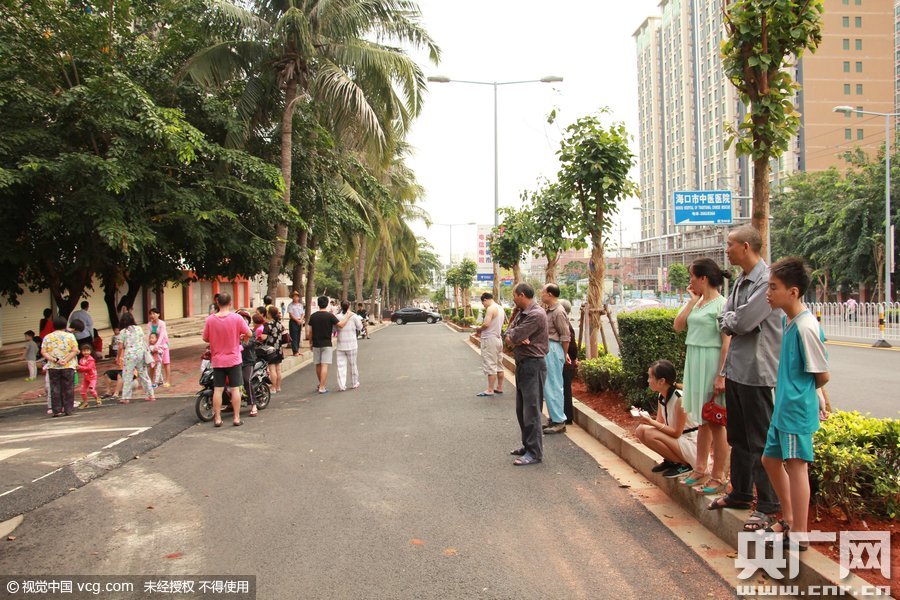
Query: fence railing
[(860, 321)]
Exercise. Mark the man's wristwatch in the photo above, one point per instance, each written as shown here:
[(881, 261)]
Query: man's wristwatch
[(722, 373)]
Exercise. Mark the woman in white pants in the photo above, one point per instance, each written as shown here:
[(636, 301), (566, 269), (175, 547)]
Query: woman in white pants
[(347, 349)]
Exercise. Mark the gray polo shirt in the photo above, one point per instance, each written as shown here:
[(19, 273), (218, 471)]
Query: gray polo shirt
[(755, 330)]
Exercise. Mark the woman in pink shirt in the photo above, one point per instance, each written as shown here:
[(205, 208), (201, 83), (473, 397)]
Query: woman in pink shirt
[(223, 332)]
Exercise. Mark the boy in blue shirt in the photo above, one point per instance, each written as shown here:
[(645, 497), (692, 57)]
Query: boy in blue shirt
[(802, 369)]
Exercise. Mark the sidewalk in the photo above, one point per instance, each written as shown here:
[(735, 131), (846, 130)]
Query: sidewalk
[(185, 353)]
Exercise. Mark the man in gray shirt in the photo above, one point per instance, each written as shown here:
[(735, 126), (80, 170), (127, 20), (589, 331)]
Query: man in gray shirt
[(85, 317), (750, 372), (527, 333)]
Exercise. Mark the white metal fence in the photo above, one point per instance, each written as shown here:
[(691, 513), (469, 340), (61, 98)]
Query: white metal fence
[(860, 321)]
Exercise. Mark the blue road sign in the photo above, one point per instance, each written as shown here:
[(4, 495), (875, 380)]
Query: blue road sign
[(484, 277), (707, 207)]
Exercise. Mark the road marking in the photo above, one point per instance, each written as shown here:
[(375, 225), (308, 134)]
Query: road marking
[(860, 345), (91, 455), (116, 443), (11, 491), (4, 454), (18, 437), (47, 475)]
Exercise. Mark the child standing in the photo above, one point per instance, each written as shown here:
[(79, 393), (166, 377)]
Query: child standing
[(155, 349), (88, 369), (802, 369), (114, 343), (29, 355)]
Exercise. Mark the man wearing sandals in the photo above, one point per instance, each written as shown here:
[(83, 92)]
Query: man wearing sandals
[(527, 334), (491, 345), (750, 373)]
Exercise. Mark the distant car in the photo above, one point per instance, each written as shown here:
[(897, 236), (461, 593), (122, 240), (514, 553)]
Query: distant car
[(641, 304), (411, 314)]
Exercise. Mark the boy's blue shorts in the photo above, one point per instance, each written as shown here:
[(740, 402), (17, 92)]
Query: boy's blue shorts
[(788, 445)]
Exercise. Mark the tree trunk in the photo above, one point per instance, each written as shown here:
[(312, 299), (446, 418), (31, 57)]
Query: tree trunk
[(375, 283), (517, 274), (597, 271), (550, 275), (760, 214), (311, 275), (345, 283), (300, 265), (360, 269), (281, 229), (385, 295), (74, 286), (110, 281)]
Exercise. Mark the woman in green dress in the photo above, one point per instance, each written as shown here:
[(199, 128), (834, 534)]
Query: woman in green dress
[(707, 348)]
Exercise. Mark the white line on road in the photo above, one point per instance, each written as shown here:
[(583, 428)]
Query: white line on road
[(4, 454), (18, 437), (11, 491), (47, 475), (115, 443)]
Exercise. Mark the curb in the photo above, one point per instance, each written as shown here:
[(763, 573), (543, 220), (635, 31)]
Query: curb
[(816, 569)]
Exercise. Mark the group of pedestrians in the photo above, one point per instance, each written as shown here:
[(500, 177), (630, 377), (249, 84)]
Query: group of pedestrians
[(754, 363)]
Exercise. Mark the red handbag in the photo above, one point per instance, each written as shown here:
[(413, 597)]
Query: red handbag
[(714, 413)]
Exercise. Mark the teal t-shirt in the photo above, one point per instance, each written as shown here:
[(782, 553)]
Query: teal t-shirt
[(803, 355)]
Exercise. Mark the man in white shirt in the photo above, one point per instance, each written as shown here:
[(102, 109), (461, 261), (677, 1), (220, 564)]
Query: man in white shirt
[(491, 344), (296, 312), (347, 349)]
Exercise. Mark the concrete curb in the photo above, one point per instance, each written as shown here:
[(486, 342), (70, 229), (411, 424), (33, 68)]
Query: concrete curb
[(816, 569)]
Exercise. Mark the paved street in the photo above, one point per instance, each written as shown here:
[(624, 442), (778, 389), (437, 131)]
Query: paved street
[(864, 379), (401, 489)]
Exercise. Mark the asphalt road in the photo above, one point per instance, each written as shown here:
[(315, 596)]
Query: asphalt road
[(401, 489)]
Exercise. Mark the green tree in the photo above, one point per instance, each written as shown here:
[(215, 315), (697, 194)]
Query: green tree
[(595, 164), (554, 222), (763, 39), (574, 270), (511, 240), (679, 278), (467, 270), (339, 54)]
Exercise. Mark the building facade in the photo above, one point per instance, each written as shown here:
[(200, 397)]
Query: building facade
[(686, 102)]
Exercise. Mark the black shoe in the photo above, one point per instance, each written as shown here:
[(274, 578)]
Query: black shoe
[(665, 465), (677, 471)]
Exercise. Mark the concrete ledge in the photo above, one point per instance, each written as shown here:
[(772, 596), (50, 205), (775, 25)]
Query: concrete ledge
[(816, 569), (456, 327)]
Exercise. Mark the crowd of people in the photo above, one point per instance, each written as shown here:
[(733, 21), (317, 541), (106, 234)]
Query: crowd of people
[(739, 424)]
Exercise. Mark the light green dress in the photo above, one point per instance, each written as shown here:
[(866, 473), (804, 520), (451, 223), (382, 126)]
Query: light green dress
[(701, 365)]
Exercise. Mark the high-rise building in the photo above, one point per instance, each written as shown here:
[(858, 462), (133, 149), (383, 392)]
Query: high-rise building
[(685, 102)]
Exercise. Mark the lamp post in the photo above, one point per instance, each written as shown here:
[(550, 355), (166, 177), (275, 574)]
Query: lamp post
[(496, 85), (888, 238), (450, 227)]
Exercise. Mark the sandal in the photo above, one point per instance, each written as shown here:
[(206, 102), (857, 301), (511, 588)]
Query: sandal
[(785, 528), (238, 423), (254, 412), (217, 424), (518, 451), (759, 521), (483, 395), (712, 486), (525, 460), (695, 477), (124, 401), (726, 502)]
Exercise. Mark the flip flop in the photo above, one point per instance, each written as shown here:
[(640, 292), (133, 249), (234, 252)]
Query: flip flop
[(518, 451), (526, 460), (498, 391), (483, 395), (725, 502), (238, 423)]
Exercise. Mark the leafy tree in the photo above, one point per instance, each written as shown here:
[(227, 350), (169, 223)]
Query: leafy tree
[(679, 278), (764, 38), (337, 53), (511, 240), (595, 164), (553, 217), (574, 270), (467, 270)]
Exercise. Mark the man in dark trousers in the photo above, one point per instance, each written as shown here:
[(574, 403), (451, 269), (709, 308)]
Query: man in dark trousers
[(527, 334)]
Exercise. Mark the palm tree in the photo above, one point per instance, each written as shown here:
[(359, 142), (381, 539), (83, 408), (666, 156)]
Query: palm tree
[(322, 51)]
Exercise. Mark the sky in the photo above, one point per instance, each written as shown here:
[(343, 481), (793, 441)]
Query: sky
[(587, 42)]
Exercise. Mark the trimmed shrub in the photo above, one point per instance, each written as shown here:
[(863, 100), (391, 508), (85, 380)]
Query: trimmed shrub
[(648, 336), (602, 373), (582, 350), (508, 312), (467, 321), (857, 465)]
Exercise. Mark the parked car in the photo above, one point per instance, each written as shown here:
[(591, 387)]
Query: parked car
[(641, 304), (411, 314)]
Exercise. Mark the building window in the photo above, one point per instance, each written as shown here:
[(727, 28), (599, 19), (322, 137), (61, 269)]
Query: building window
[(846, 89), (859, 44), (846, 66), (857, 22), (845, 21), (859, 134), (846, 43), (847, 114), (859, 114), (859, 89), (858, 66), (845, 2), (848, 134)]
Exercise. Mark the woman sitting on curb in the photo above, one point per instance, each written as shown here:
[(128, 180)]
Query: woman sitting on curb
[(671, 434)]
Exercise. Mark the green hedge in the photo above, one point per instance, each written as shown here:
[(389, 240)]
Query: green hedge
[(602, 373), (648, 336), (857, 466), (582, 351)]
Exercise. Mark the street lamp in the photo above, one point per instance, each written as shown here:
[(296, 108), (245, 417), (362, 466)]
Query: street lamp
[(450, 227), (496, 85), (888, 238)]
